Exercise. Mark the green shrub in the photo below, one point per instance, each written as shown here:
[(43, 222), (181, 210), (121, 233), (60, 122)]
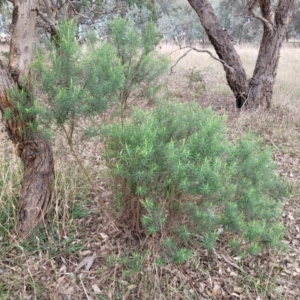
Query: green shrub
[(131, 263), (78, 83), (142, 65), (176, 255), (177, 159)]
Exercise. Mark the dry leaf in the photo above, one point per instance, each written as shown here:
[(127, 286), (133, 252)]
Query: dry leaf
[(202, 287), (87, 262), (294, 292), (96, 289), (84, 253), (104, 235), (238, 289), (216, 290), (63, 269), (70, 291), (60, 279), (131, 287)]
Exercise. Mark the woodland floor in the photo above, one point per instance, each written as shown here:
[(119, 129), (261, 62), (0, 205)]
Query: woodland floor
[(85, 254)]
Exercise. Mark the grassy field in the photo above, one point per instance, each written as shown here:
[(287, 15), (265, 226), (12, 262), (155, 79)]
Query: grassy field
[(83, 253)]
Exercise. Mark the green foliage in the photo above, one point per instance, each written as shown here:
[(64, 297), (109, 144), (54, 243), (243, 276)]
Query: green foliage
[(26, 108), (179, 157), (177, 255), (155, 217), (10, 181), (177, 18), (142, 67), (196, 82), (239, 24), (78, 82), (131, 263), (158, 152), (234, 245)]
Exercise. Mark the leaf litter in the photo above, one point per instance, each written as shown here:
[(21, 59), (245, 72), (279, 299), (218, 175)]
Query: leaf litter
[(89, 272)]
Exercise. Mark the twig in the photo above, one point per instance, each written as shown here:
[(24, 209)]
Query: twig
[(87, 296), (74, 153), (229, 262), (269, 277), (46, 19), (205, 51), (291, 276), (245, 102), (75, 11), (251, 5), (181, 57)]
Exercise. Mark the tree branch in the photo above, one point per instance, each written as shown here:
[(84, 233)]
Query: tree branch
[(48, 6), (266, 21), (204, 51), (46, 19), (220, 256), (284, 12), (75, 11), (252, 5)]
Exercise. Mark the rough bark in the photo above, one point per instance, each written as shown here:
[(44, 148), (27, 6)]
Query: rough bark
[(221, 41), (35, 153), (275, 29), (258, 90)]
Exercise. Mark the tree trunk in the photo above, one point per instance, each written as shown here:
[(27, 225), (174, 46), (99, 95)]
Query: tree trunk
[(35, 153), (275, 29), (258, 90)]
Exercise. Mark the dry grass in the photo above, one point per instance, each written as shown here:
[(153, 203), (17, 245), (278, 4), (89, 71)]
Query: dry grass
[(285, 112), (84, 254)]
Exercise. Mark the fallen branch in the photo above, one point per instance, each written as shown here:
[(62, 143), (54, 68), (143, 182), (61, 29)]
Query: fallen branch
[(204, 51), (84, 289), (220, 256)]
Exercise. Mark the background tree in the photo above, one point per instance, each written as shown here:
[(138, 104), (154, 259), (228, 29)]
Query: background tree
[(178, 23), (238, 21), (258, 90), (19, 110), (294, 31)]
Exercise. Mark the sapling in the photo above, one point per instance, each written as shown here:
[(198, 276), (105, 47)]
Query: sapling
[(78, 83)]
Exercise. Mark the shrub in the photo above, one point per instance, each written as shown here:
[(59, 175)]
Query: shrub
[(142, 66), (78, 83), (177, 159)]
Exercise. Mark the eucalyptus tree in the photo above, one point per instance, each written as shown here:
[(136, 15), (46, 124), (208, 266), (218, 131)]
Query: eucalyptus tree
[(275, 17), (15, 90), (17, 102), (18, 109)]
